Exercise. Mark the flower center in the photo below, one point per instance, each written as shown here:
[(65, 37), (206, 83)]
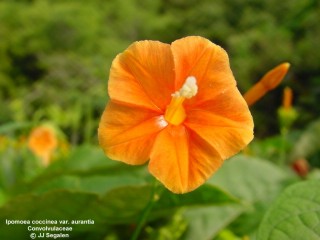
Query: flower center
[(175, 113)]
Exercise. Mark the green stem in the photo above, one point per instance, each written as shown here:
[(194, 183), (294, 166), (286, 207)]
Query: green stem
[(284, 134), (143, 218)]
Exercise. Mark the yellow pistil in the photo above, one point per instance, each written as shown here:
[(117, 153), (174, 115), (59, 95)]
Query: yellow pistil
[(175, 113)]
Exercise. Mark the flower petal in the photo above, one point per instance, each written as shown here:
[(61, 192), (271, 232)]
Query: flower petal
[(181, 160), (204, 161), (143, 75), (207, 62), (127, 134), (225, 123), (169, 158)]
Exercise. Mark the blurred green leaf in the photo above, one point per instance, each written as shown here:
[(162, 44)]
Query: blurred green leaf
[(314, 174), (295, 215), (57, 205), (86, 160), (308, 143), (250, 179), (83, 159), (3, 197), (205, 195), (206, 222), (256, 182), (86, 169), (13, 126), (119, 206), (96, 183)]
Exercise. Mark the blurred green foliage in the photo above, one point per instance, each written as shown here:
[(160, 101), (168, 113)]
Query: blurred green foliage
[(55, 55)]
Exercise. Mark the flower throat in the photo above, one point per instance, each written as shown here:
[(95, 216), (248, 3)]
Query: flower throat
[(175, 113)]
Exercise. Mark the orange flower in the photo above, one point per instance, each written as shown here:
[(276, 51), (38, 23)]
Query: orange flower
[(177, 105), (42, 142)]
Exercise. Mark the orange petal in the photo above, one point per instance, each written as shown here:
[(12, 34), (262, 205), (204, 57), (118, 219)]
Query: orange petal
[(181, 160), (229, 105), (207, 62), (204, 160), (169, 158), (143, 75), (127, 134), (225, 123)]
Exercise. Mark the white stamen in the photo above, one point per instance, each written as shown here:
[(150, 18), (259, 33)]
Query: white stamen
[(189, 88), (161, 121)]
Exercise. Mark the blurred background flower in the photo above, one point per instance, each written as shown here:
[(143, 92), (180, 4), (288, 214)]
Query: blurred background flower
[(42, 142)]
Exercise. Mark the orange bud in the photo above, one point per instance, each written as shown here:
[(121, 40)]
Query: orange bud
[(287, 98), (268, 82)]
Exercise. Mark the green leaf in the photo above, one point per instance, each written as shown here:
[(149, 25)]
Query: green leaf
[(93, 183), (314, 174), (295, 215), (3, 197), (81, 160), (308, 143), (205, 195), (87, 160), (250, 179), (87, 169), (256, 182), (206, 222), (121, 205), (13, 126)]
